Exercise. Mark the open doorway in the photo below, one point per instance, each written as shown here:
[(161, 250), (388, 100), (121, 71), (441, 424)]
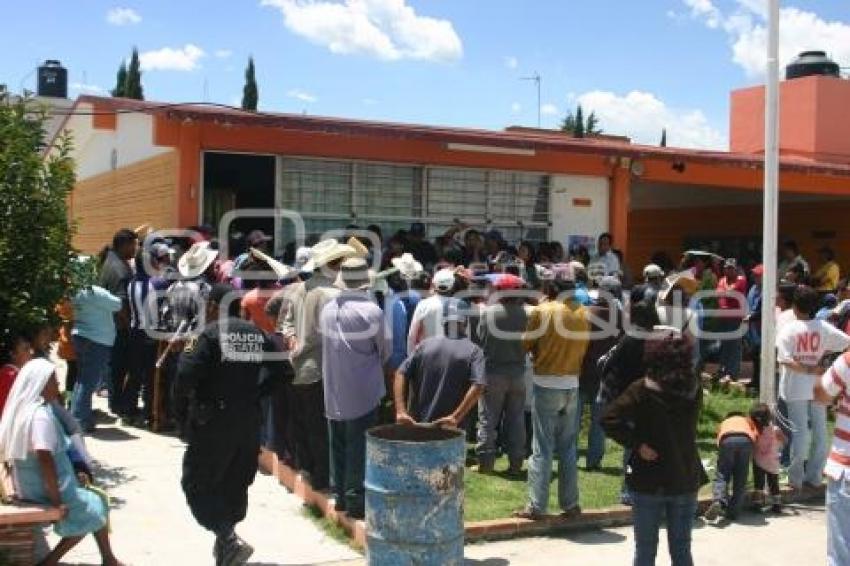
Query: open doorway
[(235, 181)]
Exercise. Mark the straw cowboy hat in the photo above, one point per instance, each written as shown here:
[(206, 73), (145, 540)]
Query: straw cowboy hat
[(281, 270), (683, 280), (196, 260), (407, 266), (354, 274), (327, 251)]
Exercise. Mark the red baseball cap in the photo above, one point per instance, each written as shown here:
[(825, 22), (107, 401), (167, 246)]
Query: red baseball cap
[(758, 270), (508, 282)]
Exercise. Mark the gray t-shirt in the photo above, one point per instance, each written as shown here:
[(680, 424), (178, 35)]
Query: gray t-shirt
[(500, 337), (439, 373)]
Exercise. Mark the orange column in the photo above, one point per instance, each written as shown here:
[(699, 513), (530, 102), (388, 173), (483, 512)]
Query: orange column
[(189, 175), (620, 193)]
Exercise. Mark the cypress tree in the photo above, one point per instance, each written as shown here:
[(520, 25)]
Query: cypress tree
[(133, 84), (664, 137), (579, 127), (250, 94), (120, 80)]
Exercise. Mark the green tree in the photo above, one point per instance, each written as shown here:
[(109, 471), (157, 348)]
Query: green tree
[(133, 84), (664, 137), (35, 243), (579, 127), (576, 125), (120, 80), (250, 94)]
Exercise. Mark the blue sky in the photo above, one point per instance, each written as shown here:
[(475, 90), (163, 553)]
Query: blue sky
[(640, 65)]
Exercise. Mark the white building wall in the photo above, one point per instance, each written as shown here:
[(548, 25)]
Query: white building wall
[(99, 151), (579, 208)]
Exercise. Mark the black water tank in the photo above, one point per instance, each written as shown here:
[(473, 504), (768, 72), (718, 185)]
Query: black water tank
[(809, 63), (52, 79)]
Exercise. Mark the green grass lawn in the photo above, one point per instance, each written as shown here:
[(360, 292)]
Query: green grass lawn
[(496, 496)]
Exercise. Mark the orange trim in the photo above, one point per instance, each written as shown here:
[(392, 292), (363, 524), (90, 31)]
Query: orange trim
[(102, 119), (618, 219), (189, 175)]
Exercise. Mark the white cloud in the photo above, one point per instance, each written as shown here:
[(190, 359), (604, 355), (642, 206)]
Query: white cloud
[(387, 29), (184, 58), (301, 95), (549, 110), (123, 16), (223, 53), (87, 89), (516, 108), (642, 116), (799, 30), (511, 62), (706, 10)]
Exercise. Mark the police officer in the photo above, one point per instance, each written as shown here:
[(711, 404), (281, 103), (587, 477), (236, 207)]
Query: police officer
[(222, 374)]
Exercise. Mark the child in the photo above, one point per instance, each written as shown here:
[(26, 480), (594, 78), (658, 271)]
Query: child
[(766, 457), (735, 440)]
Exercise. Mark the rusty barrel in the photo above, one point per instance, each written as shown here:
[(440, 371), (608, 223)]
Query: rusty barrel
[(414, 496)]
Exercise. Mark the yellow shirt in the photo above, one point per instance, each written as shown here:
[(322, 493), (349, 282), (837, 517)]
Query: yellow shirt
[(828, 276), (557, 337)]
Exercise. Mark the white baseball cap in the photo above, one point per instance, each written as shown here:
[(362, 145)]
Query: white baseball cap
[(444, 280)]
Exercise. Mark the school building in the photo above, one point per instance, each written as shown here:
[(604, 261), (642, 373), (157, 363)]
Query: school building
[(173, 166)]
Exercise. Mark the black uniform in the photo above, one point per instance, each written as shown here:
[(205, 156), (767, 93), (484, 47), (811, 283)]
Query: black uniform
[(223, 373)]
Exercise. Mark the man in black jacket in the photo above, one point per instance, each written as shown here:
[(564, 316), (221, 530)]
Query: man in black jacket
[(223, 373)]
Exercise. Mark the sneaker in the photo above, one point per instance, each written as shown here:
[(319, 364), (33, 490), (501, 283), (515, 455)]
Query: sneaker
[(528, 512), (571, 513), (235, 552), (713, 512)]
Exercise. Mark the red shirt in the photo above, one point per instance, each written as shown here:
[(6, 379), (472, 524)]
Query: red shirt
[(254, 304), (732, 303), (8, 373)]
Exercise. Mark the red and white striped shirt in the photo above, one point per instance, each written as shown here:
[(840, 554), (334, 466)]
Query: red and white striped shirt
[(835, 381)]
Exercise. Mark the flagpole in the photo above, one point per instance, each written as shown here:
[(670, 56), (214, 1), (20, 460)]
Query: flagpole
[(771, 206)]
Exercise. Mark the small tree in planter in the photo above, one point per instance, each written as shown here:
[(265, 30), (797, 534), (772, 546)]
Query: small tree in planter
[(35, 233)]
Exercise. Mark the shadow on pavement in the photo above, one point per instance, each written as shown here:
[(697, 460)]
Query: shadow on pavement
[(599, 536), (108, 478), (486, 562), (112, 434)]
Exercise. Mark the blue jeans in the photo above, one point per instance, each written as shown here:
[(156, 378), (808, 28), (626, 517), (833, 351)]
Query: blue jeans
[(554, 425), (838, 521), (647, 512), (730, 350), (809, 442), (733, 464), (347, 441), (595, 435), (93, 367), (503, 401)]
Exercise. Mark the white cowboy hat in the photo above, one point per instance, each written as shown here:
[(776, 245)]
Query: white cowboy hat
[(327, 251), (282, 271), (196, 260), (683, 280), (407, 266), (354, 273)]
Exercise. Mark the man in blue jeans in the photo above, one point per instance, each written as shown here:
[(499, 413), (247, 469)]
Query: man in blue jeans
[(557, 339)]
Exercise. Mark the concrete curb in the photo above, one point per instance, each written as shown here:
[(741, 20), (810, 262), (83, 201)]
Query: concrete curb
[(477, 531)]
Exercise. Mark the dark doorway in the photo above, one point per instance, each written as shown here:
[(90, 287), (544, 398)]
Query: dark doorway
[(234, 180)]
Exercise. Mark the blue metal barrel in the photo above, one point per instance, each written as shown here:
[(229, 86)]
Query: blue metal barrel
[(414, 496)]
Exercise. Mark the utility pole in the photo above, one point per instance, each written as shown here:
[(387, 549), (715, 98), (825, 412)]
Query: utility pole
[(771, 208), (537, 79)]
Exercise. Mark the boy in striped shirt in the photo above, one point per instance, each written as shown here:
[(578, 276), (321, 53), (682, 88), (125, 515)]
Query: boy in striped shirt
[(834, 385)]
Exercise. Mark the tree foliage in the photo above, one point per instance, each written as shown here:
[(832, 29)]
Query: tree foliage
[(35, 242), (663, 137), (133, 84), (250, 93), (576, 125), (120, 80)]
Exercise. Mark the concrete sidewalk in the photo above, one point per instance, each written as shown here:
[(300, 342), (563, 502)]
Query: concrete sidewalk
[(151, 524)]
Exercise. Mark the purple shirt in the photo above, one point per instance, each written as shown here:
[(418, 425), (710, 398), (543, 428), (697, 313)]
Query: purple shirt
[(355, 346)]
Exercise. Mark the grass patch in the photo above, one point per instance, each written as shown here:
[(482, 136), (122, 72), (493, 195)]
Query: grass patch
[(331, 529), (496, 496)]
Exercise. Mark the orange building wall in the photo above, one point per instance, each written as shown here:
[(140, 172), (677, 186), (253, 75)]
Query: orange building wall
[(125, 198), (654, 230), (813, 121)]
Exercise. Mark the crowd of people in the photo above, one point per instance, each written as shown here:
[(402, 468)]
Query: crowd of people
[(512, 343)]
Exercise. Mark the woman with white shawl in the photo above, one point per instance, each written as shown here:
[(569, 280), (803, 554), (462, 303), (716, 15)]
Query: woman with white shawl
[(33, 441)]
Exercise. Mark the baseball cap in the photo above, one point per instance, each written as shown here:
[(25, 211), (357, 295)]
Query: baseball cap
[(730, 262), (758, 270), (610, 284), (507, 282), (444, 280), (417, 228), (160, 250), (257, 237), (453, 311), (653, 270)]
